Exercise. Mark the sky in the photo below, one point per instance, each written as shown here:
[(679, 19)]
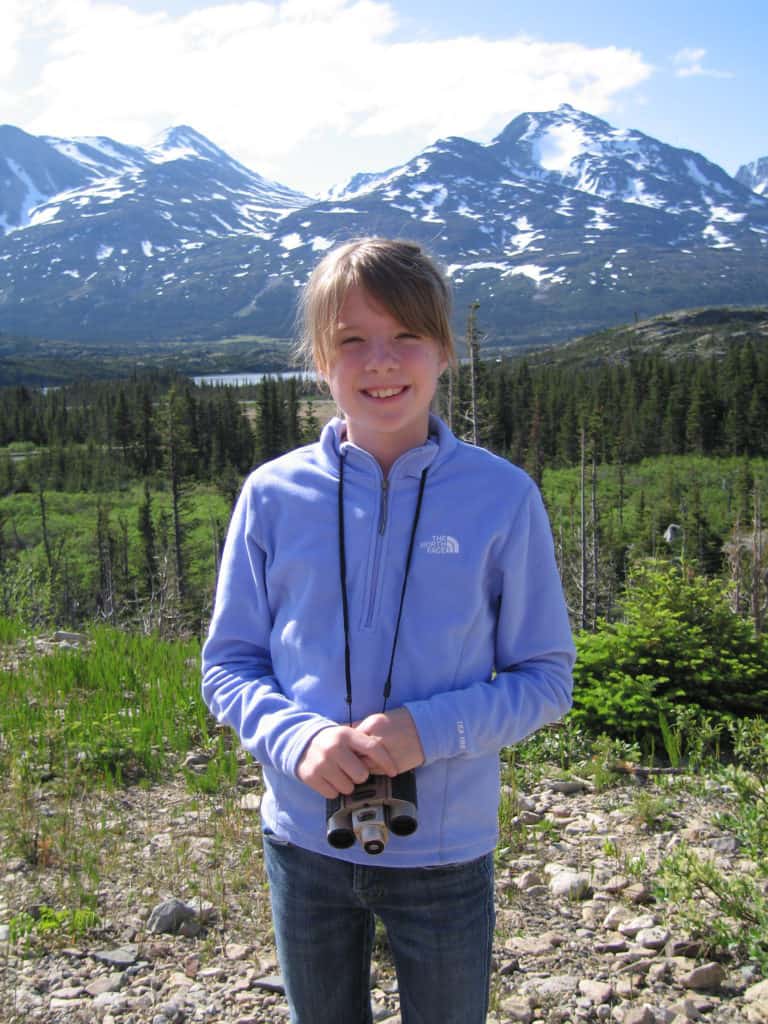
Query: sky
[(310, 92)]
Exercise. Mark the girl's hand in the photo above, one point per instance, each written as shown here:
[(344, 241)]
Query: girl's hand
[(337, 758), (397, 731)]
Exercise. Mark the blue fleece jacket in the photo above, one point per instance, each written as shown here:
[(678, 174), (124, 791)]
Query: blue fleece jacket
[(484, 654)]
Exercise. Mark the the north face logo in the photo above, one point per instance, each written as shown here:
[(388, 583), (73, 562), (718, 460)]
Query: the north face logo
[(441, 544)]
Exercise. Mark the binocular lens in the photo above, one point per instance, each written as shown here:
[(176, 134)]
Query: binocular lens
[(371, 839), (341, 838), (403, 825)]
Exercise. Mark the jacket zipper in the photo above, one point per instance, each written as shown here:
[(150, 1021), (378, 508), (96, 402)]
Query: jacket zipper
[(383, 515), (383, 507)]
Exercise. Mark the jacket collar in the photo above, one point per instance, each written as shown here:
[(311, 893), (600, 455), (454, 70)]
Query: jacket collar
[(438, 446)]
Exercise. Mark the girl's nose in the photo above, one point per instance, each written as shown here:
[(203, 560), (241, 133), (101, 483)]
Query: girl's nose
[(381, 354)]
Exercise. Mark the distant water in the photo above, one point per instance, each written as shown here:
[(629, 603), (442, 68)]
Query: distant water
[(241, 379)]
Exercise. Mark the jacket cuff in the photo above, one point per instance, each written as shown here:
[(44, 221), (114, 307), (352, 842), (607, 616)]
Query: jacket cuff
[(301, 737), (439, 738)]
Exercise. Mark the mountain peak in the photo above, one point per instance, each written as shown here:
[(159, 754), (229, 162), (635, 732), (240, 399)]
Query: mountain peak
[(754, 175), (181, 141)]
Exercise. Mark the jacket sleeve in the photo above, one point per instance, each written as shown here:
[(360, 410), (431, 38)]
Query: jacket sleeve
[(534, 654), (239, 685)]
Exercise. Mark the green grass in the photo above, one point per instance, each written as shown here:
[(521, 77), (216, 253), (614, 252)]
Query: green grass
[(656, 492), (125, 706), (72, 531)]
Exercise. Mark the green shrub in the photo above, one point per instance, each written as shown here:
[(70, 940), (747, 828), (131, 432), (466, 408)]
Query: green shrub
[(678, 643), (730, 912)]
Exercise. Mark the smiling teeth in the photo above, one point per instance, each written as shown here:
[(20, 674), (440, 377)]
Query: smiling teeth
[(386, 392)]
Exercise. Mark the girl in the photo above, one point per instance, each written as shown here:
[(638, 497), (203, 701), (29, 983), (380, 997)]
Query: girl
[(388, 600)]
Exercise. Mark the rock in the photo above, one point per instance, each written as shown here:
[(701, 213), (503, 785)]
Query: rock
[(706, 978), (683, 947), (639, 893), (757, 993), (723, 845), (534, 945), (68, 992), (686, 1009), (517, 1010), (571, 884), (103, 984), (633, 925), (123, 956), (67, 1005), (197, 761), (558, 986), (529, 818), (615, 884), (639, 1015), (596, 991), (568, 786), (659, 971), (652, 938), (112, 1002), (616, 915), (528, 879), (168, 916), (270, 982), (236, 951), (617, 946), (756, 1003)]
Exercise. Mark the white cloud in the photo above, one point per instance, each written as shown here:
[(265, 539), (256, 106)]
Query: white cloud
[(299, 84), (11, 32), (689, 65)]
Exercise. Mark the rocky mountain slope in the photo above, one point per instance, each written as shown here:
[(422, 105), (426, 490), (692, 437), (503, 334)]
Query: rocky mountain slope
[(755, 175), (580, 935), (560, 225)]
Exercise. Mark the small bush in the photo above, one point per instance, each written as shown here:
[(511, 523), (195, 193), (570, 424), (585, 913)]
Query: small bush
[(677, 644)]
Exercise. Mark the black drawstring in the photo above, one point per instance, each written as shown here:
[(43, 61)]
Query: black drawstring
[(345, 601)]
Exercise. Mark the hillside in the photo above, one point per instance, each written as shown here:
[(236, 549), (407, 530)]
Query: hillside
[(688, 333)]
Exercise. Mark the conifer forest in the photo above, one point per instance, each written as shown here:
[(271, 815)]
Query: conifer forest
[(115, 495)]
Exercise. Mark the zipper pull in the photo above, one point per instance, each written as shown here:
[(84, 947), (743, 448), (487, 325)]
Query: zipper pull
[(383, 511)]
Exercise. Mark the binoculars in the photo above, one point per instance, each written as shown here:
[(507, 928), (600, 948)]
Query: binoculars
[(374, 808)]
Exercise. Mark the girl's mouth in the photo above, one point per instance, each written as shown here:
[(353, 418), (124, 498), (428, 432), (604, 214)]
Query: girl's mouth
[(383, 392)]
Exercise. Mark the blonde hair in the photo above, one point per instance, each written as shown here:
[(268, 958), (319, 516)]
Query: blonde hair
[(398, 275)]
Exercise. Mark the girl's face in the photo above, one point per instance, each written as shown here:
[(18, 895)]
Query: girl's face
[(382, 376)]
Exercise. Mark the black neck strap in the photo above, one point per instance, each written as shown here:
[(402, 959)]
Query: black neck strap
[(345, 600)]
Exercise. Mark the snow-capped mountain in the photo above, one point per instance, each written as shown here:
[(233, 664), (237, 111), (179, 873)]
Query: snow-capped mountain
[(754, 175), (182, 185), (559, 225)]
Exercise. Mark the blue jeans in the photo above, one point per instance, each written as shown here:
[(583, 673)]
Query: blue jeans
[(439, 925)]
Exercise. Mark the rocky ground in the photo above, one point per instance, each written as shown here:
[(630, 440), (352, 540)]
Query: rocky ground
[(581, 935)]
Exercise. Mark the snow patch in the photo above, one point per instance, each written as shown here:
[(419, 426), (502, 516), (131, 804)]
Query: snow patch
[(292, 241), (558, 146), (636, 193), (464, 211), (719, 240), (44, 215), (600, 220), (695, 174), (320, 244), (539, 275), (725, 215), (104, 252), (146, 248)]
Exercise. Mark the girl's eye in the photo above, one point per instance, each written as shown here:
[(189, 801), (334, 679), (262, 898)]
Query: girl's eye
[(351, 340), (408, 336)]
